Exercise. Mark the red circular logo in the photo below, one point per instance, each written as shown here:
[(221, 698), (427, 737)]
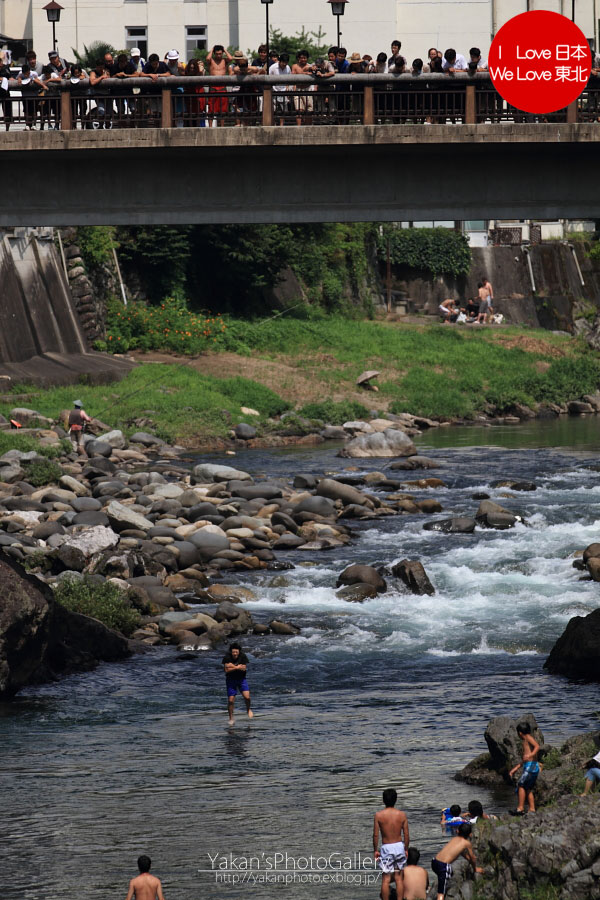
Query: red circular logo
[(539, 61)]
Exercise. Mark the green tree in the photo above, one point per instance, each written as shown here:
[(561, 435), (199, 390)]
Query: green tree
[(90, 56), (313, 41), (158, 256)]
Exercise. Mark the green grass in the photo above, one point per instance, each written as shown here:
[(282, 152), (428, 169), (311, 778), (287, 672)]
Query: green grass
[(436, 371), (12, 440), (181, 402)]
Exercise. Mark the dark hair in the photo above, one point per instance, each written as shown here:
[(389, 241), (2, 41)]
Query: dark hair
[(396, 43), (122, 57), (434, 50), (342, 50), (285, 57), (76, 67), (31, 54), (479, 284), (524, 728), (46, 70), (455, 810), (474, 51), (390, 796), (450, 55), (218, 47), (144, 863), (464, 830), (381, 57), (413, 856), (153, 57), (262, 48), (235, 646), (417, 63), (319, 61), (193, 64), (332, 50), (302, 53), (435, 64), (475, 809), (25, 68)]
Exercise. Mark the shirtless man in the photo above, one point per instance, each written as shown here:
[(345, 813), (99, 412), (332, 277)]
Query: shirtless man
[(416, 879), (217, 60), (145, 886), (486, 300), (393, 825), (531, 770), (442, 864), (302, 100)]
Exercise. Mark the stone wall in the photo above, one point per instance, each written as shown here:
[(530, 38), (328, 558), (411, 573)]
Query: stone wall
[(88, 295)]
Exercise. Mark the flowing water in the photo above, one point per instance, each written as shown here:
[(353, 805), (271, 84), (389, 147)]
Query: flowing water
[(397, 691)]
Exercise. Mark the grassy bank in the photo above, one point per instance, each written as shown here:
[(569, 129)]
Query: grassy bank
[(312, 365)]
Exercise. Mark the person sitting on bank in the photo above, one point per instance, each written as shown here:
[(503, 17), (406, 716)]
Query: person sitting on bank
[(78, 419), (592, 776), (448, 310)]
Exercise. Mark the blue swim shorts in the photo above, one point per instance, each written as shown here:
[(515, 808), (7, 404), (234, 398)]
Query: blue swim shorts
[(235, 685), (531, 770)]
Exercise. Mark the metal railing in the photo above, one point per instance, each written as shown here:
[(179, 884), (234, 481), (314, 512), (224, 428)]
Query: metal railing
[(259, 100)]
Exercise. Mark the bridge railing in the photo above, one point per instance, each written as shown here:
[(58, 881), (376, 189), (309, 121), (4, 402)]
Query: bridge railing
[(259, 100)]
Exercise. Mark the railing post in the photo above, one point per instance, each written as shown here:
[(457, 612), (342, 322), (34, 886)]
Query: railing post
[(369, 105), (470, 109), (66, 118), (572, 113), (167, 109), (267, 110)]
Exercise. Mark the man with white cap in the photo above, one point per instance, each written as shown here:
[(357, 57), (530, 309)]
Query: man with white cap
[(77, 421), (174, 64), (136, 60)]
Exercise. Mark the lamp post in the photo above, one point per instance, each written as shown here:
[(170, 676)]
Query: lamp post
[(53, 11), (266, 4), (337, 8)]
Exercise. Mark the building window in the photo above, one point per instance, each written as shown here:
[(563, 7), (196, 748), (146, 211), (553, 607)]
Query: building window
[(137, 37), (195, 39)]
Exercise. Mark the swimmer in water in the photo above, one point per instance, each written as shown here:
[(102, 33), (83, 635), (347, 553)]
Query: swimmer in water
[(145, 886)]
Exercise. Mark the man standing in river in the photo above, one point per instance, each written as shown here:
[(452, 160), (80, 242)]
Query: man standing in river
[(235, 664), (393, 825), (145, 886)]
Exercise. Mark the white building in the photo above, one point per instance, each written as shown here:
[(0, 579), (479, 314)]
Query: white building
[(368, 26)]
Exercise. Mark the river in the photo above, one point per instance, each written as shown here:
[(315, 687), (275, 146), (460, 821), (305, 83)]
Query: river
[(397, 691)]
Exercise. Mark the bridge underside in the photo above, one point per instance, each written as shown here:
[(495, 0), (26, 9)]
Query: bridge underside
[(300, 174)]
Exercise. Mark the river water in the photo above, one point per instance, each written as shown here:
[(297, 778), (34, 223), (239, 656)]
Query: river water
[(397, 691)]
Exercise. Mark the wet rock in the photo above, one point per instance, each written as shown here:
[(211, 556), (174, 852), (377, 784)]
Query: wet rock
[(356, 593), (380, 444), (233, 593), (414, 576), (208, 472), (305, 482), (320, 506), (577, 651), (281, 518), (592, 550), (455, 525), (580, 408), (333, 433), (415, 462), (492, 515), (288, 542), (264, 491), (98, 448), (504, 751), (208, 541), (359, 574), (514, 486), (283, 628), (335, 490), (261, 629), (146, 439), (429, 506), (592, 565)]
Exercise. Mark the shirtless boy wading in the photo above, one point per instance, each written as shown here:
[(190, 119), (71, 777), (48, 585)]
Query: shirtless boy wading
[(393, 825), (145, 886)]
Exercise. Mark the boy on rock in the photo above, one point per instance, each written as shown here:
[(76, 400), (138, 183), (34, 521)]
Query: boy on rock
[(531, 770), (442, 864)]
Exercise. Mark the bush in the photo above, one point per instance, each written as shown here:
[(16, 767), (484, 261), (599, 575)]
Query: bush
[(42, 471), (170, 326), (96, 243), (440, 251), (334, 413), (104, 602)]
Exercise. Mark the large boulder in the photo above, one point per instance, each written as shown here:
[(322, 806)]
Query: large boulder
[(414, 576), (335, 490), (504, 751), (79, 547), (390, 442), (122, 517), (320, 506), (576, 653), (359, 574), (116, 439), (209, 472), (146, 440), (209, 540), (39, 639), (455, 525), (492, 515)]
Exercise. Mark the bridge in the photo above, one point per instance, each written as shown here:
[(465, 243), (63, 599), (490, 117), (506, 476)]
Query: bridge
[(378, 149)]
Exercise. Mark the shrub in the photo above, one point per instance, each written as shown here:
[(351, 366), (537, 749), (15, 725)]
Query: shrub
[(170, 326), (42, 471), (440, 251), (334, 413), (104, 602)]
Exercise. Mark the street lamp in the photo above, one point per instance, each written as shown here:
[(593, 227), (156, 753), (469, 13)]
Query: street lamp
[(53, 11), (337, 8), (267, 3)]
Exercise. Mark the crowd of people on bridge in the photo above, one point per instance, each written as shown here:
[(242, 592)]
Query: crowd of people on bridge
[(96, 105)]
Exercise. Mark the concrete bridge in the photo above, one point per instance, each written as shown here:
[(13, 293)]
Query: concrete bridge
[(325, 173)]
